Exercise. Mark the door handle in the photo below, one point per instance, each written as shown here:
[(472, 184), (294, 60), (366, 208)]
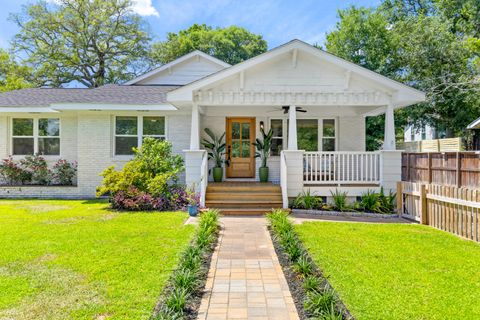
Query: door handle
[(229, 158)]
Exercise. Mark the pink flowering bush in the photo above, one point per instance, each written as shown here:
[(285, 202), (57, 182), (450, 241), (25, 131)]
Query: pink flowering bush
[(12, 173), (34, 170), (64, 172)]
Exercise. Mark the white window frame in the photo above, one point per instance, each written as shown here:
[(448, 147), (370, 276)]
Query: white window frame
[(139, 134), (320, 129), (36, 136)]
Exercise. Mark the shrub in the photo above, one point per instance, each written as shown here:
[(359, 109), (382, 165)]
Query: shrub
[(306, 200), (387, 203), (320, 304), (12, 173), (304, 266), (148, 182), (370, 202), (340, 200), (64, 172), (38, 169), (311, 283)]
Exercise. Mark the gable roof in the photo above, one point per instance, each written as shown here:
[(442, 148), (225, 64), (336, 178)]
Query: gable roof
[(475, 124), (417, 95), (183, 58), (107, 94)]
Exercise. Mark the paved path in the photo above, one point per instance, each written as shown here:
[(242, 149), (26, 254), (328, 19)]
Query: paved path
[(245, 280)]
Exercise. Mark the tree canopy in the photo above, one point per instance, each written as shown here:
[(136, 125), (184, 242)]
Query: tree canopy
[(432, 45), (12, 74), (231, 44), (92, 42)]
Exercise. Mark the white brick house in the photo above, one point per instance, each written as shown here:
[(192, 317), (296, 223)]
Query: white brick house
[(322, 148)]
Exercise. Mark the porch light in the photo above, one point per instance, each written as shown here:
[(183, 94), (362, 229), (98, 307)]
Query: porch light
[(261, 125)]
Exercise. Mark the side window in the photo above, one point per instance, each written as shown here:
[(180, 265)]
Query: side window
[(31, 135), (126, 135)]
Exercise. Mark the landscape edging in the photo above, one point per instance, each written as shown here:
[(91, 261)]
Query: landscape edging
[(346, 213)]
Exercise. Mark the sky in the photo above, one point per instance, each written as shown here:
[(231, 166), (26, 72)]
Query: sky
[(279, 21)]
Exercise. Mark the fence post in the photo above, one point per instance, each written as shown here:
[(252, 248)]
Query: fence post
[(429, 167), (423, 205), (400, 198), (459, 171)]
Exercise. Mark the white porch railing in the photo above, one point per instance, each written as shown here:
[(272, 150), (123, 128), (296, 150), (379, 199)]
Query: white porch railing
[(342, 167), (283, 179), (203, 178)]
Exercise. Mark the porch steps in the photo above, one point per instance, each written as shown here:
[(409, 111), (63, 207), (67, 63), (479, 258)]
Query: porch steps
[(243, 198)]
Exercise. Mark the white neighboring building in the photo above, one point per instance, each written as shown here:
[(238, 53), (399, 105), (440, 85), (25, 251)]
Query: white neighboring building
[(322, 149)]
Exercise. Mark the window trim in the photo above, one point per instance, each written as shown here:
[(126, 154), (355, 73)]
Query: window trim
[(320, 129), (36, 136), (139, 134)]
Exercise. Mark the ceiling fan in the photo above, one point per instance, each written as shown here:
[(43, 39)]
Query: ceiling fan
[(286, 108), (298, 109)]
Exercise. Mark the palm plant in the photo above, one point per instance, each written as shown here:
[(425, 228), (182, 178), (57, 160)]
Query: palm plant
[(216, 149), (263, 152)]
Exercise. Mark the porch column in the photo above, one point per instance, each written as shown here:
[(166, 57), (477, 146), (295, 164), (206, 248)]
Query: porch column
[(195, 129), (292, 128), (389, 140)]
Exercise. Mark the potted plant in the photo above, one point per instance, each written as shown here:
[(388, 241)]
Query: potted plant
[(193, 200), (263, 152), (216, 149)]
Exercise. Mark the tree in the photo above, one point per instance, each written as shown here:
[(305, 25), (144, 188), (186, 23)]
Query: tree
[(13, 75), (428, 44), (232, 44), (89, 41)]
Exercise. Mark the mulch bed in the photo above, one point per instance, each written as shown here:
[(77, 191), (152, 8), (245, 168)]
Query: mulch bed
[(295, 282)]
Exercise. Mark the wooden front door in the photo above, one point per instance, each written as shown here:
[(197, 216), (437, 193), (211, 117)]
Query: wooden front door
[(240, 151)]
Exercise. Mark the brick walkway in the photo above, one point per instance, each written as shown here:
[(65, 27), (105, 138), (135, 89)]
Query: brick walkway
[(245, 280)]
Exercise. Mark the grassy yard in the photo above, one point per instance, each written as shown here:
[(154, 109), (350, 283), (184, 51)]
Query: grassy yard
[(397, 271), (79, 260)]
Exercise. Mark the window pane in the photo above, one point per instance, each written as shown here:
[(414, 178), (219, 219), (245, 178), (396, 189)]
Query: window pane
[(307, 134), (49, 146), (246, 149), (22, 146), (49, 127), (126, 125), (154, 126), (328, 144), (276, 126), (277, 146), (329, 128), (23, 127), (245, 130), (236, 130), (235, 149), (124, 145)]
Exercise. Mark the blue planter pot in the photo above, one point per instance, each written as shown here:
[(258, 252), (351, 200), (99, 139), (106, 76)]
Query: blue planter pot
[(192, 210)]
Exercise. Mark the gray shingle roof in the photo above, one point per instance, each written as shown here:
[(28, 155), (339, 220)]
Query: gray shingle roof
[(108, 94)]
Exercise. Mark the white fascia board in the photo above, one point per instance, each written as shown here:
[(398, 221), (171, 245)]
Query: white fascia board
[(474, 125), (116, 107), (175, 62), (27, 110), (402, 89), (375, 112)]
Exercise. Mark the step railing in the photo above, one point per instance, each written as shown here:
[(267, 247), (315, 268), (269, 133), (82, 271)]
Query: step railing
[(203, 178), (341, 167), (283, 179)]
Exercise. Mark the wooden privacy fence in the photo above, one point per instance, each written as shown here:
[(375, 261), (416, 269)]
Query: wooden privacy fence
[(437, 145), (452, 209), (460, 169)]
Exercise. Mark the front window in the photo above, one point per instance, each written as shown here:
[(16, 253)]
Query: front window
[(277, 139), (328, 137), (307, 134), (31, 135), (130, 131)]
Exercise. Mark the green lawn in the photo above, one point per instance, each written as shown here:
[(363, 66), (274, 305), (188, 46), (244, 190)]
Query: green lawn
[(397, 271), (79, 260)]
